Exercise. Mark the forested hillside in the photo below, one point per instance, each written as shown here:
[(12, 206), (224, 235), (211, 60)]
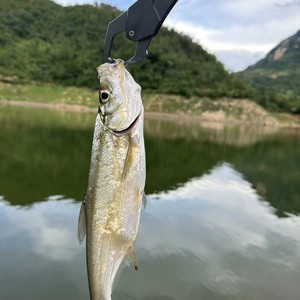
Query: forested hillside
[(277, 76), (43, 41)]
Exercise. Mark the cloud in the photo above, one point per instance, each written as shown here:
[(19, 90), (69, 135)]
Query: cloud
[(210, 204), (219, 39), (242, 23), (288, 3), (73, 2), (117, 3), (241, 28), (49, 227), (238, 60), (235, 57)]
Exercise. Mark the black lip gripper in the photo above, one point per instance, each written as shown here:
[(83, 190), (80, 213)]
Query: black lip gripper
[(141, 22)]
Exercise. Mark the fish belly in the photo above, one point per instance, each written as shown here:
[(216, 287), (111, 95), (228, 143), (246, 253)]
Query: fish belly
[(113, 206)]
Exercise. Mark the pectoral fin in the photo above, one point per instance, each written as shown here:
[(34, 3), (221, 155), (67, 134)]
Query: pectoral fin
[(128, 259), (130, 157), (81, 231)]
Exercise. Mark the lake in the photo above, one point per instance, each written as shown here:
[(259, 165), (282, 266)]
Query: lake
[(221, 221)]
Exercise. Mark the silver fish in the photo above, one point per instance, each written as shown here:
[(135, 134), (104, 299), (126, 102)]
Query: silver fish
[(110, 212)]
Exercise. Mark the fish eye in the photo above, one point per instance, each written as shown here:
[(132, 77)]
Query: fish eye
[(104, 96)]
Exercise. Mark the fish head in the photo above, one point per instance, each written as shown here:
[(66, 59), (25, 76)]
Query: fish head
[(120, 102)]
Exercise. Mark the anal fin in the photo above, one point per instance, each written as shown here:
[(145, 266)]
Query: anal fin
[(129, 259), (132, 258)]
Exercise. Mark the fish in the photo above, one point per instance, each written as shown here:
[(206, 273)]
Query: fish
[(110, 212)]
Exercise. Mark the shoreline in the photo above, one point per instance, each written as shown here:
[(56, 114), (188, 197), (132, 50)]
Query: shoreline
[(181, 117), (58, 106)]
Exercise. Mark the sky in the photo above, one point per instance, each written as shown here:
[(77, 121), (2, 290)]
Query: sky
[(238, 32)]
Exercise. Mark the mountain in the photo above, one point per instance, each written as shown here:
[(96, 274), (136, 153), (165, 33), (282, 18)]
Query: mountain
[(277, 76), (43, 41)]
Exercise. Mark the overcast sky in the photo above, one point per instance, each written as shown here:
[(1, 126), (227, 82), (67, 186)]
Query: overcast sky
[(238, 32)]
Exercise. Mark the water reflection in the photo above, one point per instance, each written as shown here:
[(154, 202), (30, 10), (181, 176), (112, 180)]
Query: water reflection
[(40, 258), (43, 152), (213, 227), (221, 241), (47, 152), (210, 238)]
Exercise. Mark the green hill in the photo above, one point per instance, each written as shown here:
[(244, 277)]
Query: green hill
[(43, 41), (277, 76)]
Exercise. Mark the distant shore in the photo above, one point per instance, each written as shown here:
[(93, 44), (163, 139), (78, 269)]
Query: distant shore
[(157, 106), (212, 117), (57, 106)]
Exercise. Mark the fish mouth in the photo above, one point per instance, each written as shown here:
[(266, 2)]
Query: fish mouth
[(130, 127)]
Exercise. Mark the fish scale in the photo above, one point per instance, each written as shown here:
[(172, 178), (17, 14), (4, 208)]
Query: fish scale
[(111, 159), (111, 208)]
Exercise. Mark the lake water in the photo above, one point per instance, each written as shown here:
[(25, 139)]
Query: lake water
[(221, 222)]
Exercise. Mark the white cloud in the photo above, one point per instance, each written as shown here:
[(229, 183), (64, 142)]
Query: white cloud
[(50, 226), (238, 60), (214, 40), (288, 3), (76, 2), (223, 201), (236, 26)]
